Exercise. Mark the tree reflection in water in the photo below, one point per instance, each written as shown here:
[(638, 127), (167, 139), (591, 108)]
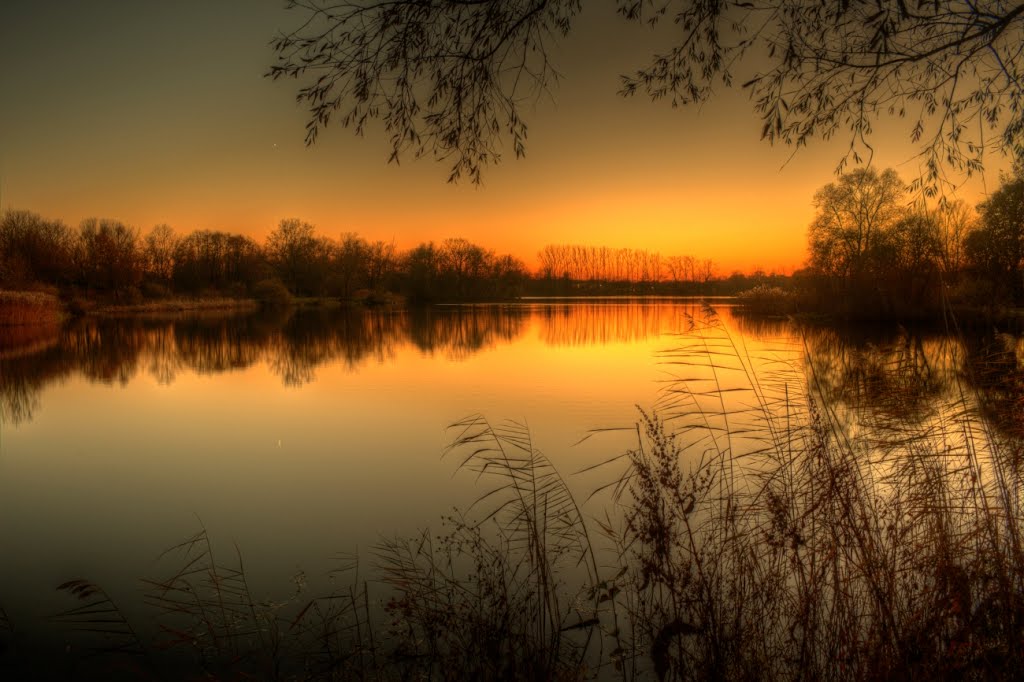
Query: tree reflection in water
[(292, 343), (880, 380)]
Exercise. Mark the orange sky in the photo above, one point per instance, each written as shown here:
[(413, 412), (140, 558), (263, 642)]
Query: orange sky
[(158, 113)]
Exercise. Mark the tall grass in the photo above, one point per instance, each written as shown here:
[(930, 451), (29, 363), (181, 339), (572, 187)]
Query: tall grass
[(502, 597), (794, 547), (755, 531), (28, 308)]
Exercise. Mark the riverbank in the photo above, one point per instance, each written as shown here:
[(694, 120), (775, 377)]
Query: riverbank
[(23, 308), (778, 303), (169, 306), (31, 308), (29, 321)]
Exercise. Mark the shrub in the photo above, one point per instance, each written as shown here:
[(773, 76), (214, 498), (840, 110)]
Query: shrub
[(24, 307), (768, 300), (271, 292), (155, 290)]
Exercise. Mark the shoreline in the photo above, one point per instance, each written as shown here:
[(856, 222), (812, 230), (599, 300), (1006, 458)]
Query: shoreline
[(172, 306)]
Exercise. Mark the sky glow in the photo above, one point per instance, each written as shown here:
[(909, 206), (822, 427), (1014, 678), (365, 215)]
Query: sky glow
[(155, 113)]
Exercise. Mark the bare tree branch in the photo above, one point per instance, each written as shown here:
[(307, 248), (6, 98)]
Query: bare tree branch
[(448, 78)]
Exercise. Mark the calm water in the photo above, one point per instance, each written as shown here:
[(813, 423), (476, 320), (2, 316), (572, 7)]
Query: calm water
[(298, 436)]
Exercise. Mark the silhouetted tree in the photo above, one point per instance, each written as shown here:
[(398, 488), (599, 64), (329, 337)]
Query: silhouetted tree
[(422, 265), (108, 256), (158, 253), (245, 264), (508, 277), (460, 270), (460, 265), (300, 257), (350, 264), (704, 271), (381, 260), (908, 261), (852, 215), (581, 263), (876, 255), (996, 248), (449, 77), (208, 261), (33, 249), (956, 221)]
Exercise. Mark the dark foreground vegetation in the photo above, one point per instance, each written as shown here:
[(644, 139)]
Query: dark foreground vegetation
[(760, 528)]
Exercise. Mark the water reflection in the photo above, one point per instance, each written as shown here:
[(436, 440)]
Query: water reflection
[(295, 343), (896, 376), (891, 379), (886, 386), (995, 365), (898, 381), (603, 322), (459, 331)]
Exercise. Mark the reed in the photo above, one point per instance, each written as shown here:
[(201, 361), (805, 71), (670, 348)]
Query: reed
[(757, 531), (793, 547), (503, 596), (769, 300), (18, 308)]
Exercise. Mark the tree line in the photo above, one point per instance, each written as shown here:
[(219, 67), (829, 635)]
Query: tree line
[(109, 259), (600, 263), (872, 251)]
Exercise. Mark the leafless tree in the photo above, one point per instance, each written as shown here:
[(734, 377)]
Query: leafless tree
[(158, 252), (956, 220), (108, 255)]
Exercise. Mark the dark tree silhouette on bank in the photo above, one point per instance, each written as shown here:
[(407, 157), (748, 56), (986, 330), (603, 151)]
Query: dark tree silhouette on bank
[(107, 255), (33, 248), (876, 255), (996, 248), (853, 213), (449, 78)]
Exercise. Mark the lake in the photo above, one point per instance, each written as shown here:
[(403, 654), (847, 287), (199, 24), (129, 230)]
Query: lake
[(299, 436)]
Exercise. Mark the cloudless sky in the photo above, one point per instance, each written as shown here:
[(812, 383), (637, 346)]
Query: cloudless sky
[(158, 112)]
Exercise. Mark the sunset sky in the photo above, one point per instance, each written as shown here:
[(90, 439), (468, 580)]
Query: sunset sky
[(158, 112)]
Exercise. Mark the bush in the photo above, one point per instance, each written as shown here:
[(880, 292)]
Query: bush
[(130, 295), (236, 290), (768, 300), (155, 290), (23, 307), (272, 292)]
